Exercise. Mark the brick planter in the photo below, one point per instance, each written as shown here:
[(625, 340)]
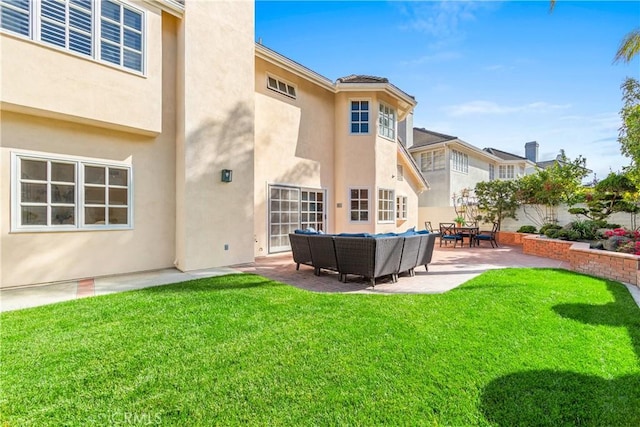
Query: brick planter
[(580, 258), (511, 238)]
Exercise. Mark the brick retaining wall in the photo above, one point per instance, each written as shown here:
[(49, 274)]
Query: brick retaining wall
[(606, 264)]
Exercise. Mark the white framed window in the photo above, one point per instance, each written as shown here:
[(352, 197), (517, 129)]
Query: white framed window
[(386, 200), (432, 160), (460, 161), (401, 207), (281, 86), (104, 30), (386, 121), (359, 119), (506, 172), (400, 173), (492, 172), (64, 194), (359, 204)]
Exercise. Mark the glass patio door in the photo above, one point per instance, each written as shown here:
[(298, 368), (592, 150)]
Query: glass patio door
[(291, 208), (312, 209)]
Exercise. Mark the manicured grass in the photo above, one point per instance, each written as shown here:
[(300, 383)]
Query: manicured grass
[(511, 347)]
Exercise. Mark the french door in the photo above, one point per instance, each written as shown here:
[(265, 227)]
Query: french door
[(292, 208)]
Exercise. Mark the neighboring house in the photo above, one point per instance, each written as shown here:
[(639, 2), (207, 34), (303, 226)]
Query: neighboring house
[(140, 135), (456, 165)]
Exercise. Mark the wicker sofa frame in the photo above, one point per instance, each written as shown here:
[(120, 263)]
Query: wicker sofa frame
[(369, 257)]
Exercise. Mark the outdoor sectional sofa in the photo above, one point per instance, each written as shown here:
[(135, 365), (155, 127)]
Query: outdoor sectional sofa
[(370, 256)]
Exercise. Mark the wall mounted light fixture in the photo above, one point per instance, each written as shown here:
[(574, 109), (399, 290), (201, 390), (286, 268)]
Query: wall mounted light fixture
[(227, 175)]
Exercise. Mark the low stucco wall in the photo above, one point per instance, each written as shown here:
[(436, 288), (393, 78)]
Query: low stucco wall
[(580, 258)]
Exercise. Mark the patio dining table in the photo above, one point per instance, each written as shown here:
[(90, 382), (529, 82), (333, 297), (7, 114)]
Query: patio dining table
[(467, 232)]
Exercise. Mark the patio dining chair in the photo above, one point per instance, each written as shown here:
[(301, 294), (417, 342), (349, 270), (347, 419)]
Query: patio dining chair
[(488, 236), (427, 226), (448, 234)]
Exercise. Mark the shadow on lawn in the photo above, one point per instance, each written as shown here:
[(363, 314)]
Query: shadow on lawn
[(552, 398), (217, 283)]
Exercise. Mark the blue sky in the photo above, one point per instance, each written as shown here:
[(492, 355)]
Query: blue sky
[(495, 74)]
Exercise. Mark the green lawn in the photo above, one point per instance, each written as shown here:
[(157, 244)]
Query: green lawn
[(511, 347)]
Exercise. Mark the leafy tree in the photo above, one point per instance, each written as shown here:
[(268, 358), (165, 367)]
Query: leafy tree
[(629, 135), (615, 193), (496, 200), (541, 193)]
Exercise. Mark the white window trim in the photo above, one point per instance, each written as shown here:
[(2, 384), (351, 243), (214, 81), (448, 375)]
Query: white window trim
[(360, 210), (506, 169), (349, 121), (381, 115), (34, 36), (432, 153), (285, 82), (402, 203), (16, 227), (461, 164), (391, 201)]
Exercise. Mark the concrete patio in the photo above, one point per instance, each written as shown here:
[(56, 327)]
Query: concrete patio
[(449, 268)]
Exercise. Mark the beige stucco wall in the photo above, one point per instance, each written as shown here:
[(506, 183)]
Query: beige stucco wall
[(355, 163), (39, 257), (294, 143), (38, 79), (215, 132)]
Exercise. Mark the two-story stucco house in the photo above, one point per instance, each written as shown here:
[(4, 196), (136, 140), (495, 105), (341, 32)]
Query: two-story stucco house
[(139, 135), (456, 165)]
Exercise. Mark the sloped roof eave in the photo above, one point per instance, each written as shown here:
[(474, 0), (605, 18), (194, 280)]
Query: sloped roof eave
[(415, 170)]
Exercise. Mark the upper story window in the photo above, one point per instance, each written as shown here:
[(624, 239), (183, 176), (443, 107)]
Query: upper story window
[(387, 122), (506, 172), (432, 160), (492, 172), (69, 194), (105, 30), (281, 87), (400, 173), (460, 161), (386, 200), (359, 117)]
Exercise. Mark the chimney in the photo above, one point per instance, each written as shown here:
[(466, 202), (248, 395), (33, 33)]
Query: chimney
[(531, 151), (405, 130)]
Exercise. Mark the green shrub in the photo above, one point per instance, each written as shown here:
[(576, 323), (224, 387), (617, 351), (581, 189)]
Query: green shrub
[(527, 229), (546, 227), (587, 230)]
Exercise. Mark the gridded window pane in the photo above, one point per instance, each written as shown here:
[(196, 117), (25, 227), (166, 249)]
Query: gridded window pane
[(359, 205), (94, 195), (79, 42), (118, 215), (94, 175), (132, 60), (34, 215), (54, 10), (385, 205), (132, 19), (63, 193), (14, 20), (63, 172), (62, 215), (110, 10), (118, 196), (54, 34), (94, 215), (33, 169), (34, 193), (110, 31)]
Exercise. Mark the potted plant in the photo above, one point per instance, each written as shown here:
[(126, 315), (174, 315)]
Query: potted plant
[(460, 221)]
